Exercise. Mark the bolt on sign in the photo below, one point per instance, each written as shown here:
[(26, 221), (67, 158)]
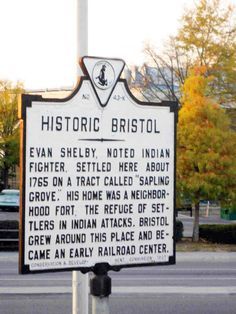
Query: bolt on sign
[(98, 176)]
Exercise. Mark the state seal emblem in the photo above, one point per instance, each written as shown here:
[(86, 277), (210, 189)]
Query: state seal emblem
[(103, 75)]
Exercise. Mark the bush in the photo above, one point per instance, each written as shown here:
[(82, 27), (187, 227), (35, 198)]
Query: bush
[(179, 229), (232, 209), (9, 224), (218, 233)]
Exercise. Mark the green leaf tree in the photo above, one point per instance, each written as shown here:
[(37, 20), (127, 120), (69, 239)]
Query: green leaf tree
[(206, 150), (9, 131)]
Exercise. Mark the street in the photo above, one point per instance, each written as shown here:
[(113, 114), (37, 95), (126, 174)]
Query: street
[(198, 283)]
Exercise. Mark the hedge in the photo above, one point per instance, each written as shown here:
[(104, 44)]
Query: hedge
[(218, 233), (179, 229), (9, 224)]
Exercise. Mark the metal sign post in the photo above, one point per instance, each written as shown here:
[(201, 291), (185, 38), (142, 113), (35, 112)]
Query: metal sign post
[(80, 293), (100, 289), (98, 179)]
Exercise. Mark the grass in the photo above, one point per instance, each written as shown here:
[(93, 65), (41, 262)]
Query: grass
[(186, 245)]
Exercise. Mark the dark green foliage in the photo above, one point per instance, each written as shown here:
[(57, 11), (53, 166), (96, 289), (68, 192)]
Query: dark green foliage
[(179, 229), (9, 224), (9, 234), (219, 233)]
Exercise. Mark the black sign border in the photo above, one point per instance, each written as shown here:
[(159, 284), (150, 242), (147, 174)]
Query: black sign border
[(26, 101)]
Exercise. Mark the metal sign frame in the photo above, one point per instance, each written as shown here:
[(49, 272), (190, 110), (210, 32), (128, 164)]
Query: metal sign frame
[(27, 101)]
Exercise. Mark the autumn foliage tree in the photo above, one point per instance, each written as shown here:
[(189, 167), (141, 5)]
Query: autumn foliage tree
[(206, 37), (9, 131), (206, 150), (208, 33)]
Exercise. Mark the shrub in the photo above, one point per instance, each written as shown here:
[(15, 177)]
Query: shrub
[(218, 233), (9, 224), (179, 229), (232, 209)]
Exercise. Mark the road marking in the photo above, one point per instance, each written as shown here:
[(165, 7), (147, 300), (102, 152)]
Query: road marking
[(172, 278), (35, 290), (126, 290), (175, 290), (176, 270), (127, 278), (35, 279)]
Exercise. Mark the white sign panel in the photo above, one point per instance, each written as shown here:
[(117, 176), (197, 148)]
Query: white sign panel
[(98, 179)]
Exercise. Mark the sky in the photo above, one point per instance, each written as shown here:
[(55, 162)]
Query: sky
[(39, 38)]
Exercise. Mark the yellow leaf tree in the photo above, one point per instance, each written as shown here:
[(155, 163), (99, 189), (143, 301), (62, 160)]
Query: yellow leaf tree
[(206, 149), (208, 34), (9, 132)]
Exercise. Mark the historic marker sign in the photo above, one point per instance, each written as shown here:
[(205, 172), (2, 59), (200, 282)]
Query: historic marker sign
[(98, 176)]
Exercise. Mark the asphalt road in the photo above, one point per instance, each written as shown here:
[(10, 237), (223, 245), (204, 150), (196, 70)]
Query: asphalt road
[(198, 283)]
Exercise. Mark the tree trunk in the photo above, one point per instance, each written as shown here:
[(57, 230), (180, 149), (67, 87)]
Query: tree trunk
[(5, 177), (196, 223)]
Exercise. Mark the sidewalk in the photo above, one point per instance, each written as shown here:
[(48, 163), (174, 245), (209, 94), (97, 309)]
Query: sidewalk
[(206, 256)]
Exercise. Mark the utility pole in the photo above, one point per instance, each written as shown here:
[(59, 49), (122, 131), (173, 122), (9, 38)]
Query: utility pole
[(82, 31), (80, 292)]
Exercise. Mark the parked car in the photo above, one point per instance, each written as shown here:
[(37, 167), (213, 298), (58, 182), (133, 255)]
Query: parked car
[(9, 199)]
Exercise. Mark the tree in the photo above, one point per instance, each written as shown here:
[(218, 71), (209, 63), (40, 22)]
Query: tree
[(206, 149), (171, 68), (208, 34), (162, 76), (9, 131), (232, 115), (206, 37)]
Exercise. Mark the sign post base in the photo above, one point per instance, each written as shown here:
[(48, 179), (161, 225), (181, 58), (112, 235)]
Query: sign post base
[(100, 289)]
